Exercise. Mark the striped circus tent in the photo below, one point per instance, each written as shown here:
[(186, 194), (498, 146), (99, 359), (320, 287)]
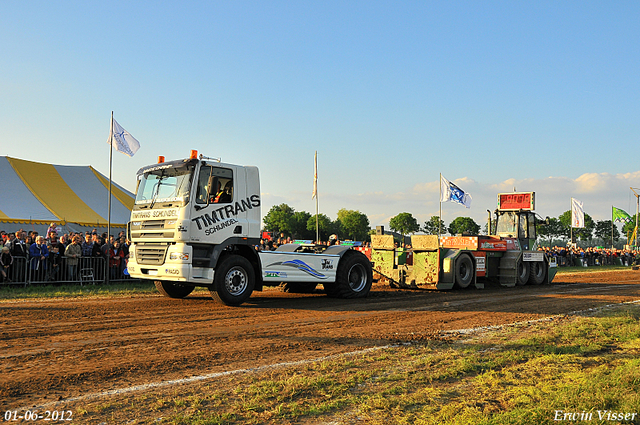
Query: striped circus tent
[(34, 194)]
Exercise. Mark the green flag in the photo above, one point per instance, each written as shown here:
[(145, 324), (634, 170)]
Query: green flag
[(620, 216)]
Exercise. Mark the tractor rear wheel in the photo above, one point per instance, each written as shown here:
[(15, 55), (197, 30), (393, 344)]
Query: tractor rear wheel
[(173, 290), (522, 273), (464, 271), (538, 272)]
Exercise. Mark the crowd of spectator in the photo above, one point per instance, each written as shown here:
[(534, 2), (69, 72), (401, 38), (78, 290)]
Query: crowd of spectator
[(593, 256), (59, 256)]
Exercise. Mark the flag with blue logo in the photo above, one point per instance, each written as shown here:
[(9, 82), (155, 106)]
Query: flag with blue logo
[(451, 192), (121, 140)]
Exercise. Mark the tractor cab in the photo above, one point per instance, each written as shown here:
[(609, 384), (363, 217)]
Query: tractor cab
[(515, 218)]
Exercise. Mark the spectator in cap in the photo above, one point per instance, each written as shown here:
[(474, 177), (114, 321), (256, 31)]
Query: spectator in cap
[(73, 253)]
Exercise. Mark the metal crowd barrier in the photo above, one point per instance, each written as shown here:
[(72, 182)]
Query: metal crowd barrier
[(87, 270)]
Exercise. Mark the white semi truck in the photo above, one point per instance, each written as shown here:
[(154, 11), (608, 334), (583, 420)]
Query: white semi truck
[(197, 221)]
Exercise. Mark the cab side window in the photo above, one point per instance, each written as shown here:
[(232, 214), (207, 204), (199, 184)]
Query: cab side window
[(215, 185), (523, 226), (532, 226)]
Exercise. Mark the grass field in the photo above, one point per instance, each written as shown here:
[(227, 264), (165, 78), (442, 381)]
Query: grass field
[(571, 367)]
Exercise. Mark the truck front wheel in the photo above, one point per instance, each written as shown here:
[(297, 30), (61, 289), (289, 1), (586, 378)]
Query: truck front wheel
[(233, 281), (354, 277), (173, 290)]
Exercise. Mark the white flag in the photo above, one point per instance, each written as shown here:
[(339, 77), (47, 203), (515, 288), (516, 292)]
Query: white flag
[(577, 213), (123, 141), (315, 177), (451, 192)]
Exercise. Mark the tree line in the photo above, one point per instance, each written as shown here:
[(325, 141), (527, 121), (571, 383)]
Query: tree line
[(350, 224), (354, 225)]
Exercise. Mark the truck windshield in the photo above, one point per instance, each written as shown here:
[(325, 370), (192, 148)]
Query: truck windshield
[(168, 186)]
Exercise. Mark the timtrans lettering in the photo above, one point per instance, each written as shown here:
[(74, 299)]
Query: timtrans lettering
[(226, 212)]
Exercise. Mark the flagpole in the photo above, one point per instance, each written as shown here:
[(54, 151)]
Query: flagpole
[(571, 220), (108, 271), (440, 215), (317, 228), (635, 231), (315, 184), (612, 227)]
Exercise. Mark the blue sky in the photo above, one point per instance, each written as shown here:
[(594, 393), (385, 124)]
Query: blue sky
[(542, 97)]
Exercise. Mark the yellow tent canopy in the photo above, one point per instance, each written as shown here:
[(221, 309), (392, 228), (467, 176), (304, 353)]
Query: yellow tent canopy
[(40, 193)]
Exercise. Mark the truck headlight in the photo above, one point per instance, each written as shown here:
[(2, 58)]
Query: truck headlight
[(178, 256)]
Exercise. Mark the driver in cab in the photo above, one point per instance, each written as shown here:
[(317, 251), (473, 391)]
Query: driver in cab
[(223, 196)]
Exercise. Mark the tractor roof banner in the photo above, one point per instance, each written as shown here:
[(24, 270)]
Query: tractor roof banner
[(40, 193)]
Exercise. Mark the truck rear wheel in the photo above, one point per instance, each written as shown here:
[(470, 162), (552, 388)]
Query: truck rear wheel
[(354, 277), (538, 272), (522, 273), (233, 281), (173, 290), (464, 271)]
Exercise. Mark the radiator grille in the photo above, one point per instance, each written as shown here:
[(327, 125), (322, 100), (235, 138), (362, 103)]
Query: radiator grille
[(151, 254)]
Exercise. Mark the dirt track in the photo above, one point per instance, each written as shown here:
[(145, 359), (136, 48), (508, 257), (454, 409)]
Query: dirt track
[(56, 349)]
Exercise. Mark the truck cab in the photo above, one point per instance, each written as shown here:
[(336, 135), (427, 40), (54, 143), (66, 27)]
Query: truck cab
[(196, 222), (185, 209)]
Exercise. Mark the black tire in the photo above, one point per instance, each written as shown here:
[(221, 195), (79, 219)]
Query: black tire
[(522, 273), (354, 277), (173, 290), (233, 281), (538, 272), (464, 271), (299, 287)]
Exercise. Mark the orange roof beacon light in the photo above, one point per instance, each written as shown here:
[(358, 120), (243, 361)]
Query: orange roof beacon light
[(160, 159), (194, 154)]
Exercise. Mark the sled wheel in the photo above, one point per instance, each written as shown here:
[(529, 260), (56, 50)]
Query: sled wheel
[(464, 271)]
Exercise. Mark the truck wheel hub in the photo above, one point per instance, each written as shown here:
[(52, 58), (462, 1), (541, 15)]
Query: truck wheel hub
[(357, 277), (236, 281)]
